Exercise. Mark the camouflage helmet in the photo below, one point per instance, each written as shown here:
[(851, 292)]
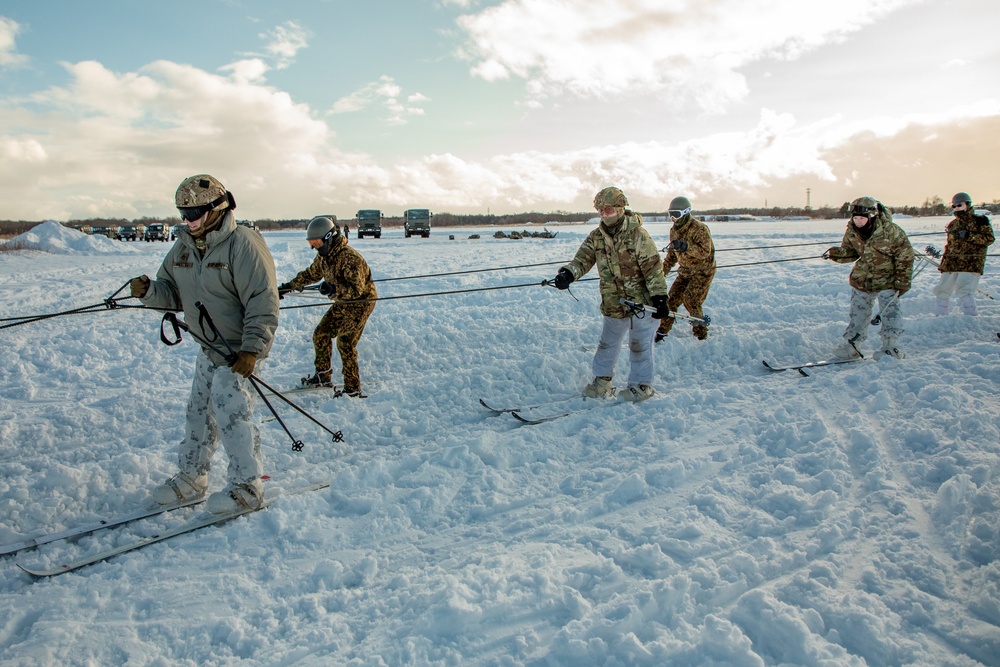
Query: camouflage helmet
[(960, 198), (202, 191), (867, 206), (610, 197)]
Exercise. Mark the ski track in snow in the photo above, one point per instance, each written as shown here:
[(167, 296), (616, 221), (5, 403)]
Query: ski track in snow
[(739, 517)]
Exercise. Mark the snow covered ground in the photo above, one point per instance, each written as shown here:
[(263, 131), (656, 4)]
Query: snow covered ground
[(740, 517)]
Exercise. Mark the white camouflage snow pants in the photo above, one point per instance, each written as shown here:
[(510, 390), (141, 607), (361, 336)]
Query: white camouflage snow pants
[(221, 408), (963, 284), (861, 315), (640, 332)]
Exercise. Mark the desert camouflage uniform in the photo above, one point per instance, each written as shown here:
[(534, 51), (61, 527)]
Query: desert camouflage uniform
[(346, 270), (883, 267), (695, 271), (964, 260), (628, 265)]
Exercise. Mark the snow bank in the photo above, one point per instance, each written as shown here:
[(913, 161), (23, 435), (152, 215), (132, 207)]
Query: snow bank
[(53, 237)]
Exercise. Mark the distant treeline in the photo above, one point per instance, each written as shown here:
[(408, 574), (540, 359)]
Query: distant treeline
[(931, 207)]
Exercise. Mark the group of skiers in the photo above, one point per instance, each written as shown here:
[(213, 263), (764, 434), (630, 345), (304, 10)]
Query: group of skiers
[(630, 271), (222, 277)]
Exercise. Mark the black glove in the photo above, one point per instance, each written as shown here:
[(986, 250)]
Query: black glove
[(679, 245), (563, 278), (662, 311), (138, 286), (963, 234), (326, 289), (283, 289)]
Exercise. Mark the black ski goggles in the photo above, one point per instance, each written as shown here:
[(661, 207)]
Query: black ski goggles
[(192, 213)]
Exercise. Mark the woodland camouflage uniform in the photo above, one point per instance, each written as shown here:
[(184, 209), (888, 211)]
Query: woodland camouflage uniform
[(347, 272), (883, 268), (629, 267), (883, 262), (695, 271), (969, 235), (967, 255), (628, 264)]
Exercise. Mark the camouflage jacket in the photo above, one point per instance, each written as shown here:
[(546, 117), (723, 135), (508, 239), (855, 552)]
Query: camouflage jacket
[(345, 269), (884, 261), (234, 279), (627, 262), (967, 255), (700, 254)]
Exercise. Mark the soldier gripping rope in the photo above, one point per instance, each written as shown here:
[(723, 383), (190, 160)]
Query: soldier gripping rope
[(969, 235), (227, 270), (883, 269), (692, 250), (629, 267), (347, 280)]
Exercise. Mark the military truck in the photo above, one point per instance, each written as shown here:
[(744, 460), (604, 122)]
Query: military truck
[(248, 224), (369, 223), (127, 233), (156, 231), (417, 221)]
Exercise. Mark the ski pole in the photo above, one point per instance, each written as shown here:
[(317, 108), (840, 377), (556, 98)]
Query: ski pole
[(638, 308), (297, 445)]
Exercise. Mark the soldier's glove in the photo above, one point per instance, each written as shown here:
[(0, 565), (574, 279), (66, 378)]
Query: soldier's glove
[(563, 278), (662, 311), (283, 289), (326, 289), (139, 286), (901, 289), (244, 363), (963, 234), (830, 253), (679, 245)]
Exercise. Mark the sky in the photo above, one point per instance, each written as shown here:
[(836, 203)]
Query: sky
[(494, 106), (738, 518)]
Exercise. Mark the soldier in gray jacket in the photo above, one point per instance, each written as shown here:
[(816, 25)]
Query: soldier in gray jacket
[(229, 269)]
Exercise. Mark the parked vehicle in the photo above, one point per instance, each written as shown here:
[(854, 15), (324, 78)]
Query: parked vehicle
[(369, 223), (417, 221), (156, 232), (248, 225), (128, 233), (174, 231), (110, 232)]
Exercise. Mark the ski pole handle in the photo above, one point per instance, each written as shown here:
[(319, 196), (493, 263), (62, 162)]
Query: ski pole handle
[(205, 317)]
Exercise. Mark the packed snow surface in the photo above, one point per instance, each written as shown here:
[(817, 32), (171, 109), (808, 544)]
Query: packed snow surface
[(739, 517)]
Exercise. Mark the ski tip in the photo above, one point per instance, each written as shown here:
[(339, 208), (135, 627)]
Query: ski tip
[(39, 574), (771, 367)]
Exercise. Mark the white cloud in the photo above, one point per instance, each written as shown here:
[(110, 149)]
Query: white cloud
[(9, 56), (385, 93), (284, 43), (679, 49), (117, 144)]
